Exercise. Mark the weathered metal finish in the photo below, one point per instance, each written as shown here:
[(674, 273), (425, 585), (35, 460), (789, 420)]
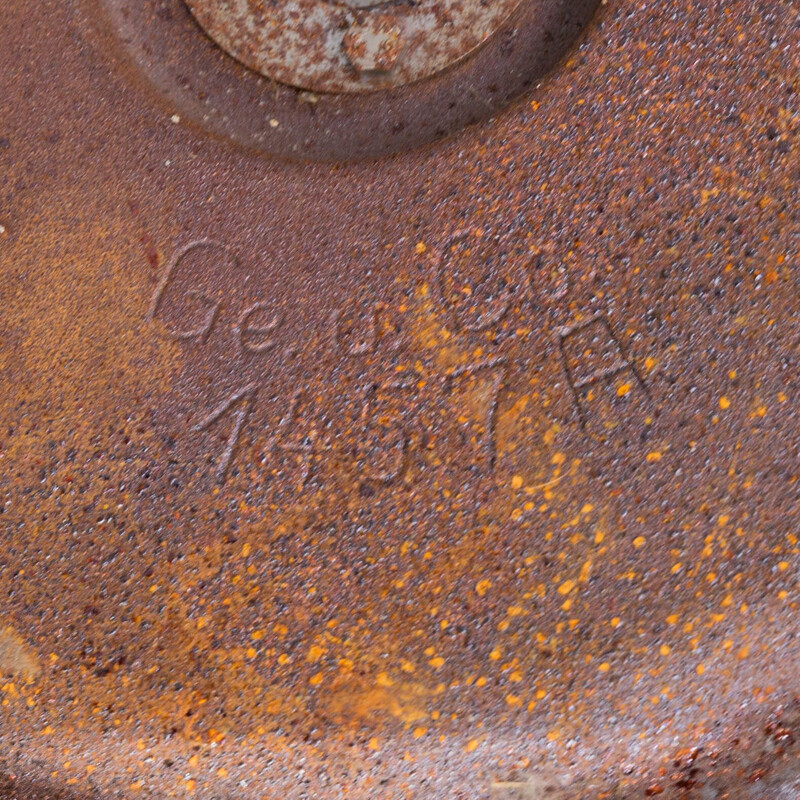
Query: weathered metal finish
[(212, 90), (453, 474), (350, 46)]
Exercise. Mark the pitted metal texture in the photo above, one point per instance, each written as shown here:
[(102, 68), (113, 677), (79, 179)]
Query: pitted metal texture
[(351, 46)]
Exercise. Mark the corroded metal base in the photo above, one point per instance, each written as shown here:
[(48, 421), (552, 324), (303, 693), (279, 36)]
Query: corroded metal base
[(457, 474)]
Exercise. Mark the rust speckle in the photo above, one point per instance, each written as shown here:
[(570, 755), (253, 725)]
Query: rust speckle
[(17, 659)]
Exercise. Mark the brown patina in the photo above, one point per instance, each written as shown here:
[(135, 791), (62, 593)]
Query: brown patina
[(464, 473)]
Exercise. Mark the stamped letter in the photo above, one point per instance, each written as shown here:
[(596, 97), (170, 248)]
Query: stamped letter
[(186, 273), (478, 281), (495, 369), (256, 338), (594, 339), (384, 442), (243, 398)]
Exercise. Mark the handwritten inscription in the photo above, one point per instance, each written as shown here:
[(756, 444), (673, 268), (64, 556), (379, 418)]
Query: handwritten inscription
[(477, 286), (479, 289), (607, 351), (238, 404), (495, 368), (384, 438), (255, 338), (194, 310)]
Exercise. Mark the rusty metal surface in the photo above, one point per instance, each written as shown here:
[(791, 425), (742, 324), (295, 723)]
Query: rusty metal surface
[(164, 45), (461, 473), (351, 46)]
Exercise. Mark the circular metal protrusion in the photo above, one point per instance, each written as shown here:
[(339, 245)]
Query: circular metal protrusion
[(350, 46), (201, 82)]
